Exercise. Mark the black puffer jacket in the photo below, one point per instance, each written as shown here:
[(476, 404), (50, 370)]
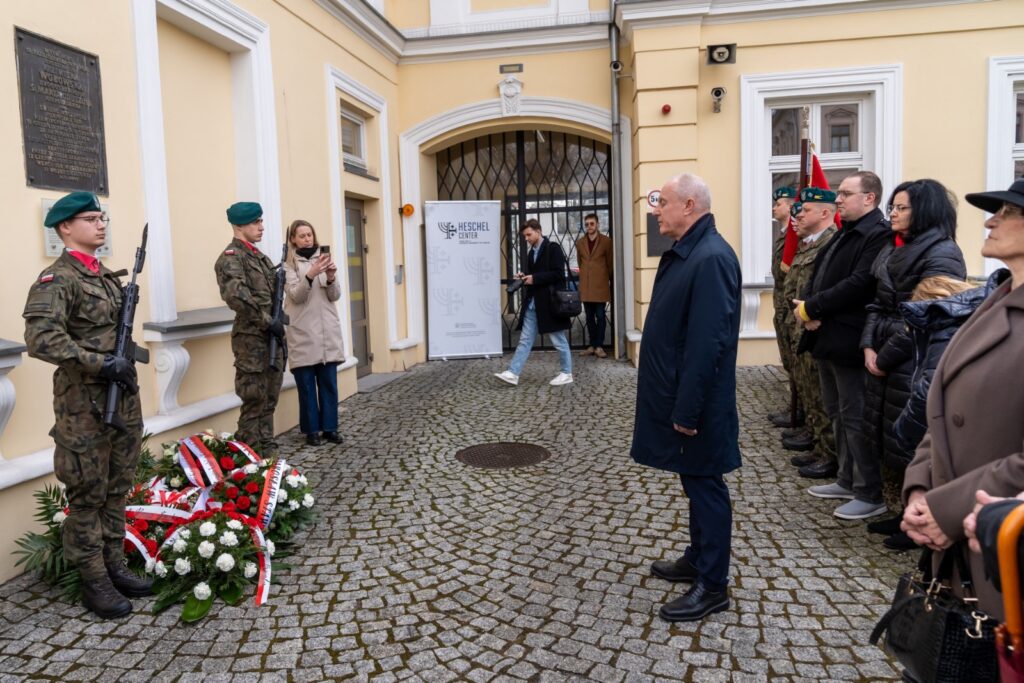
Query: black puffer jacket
[(898, 271), (932, 324)]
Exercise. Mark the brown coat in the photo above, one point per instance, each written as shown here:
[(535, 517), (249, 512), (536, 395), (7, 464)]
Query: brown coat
[(314, 332), (975, 436), (595, 269)]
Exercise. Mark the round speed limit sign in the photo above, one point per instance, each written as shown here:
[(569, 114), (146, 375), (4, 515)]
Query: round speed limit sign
[(653, 197)]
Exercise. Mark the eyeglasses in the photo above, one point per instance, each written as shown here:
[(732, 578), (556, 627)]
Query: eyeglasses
[(93, 220), (1009, 211), (897, 208), (847, 193)]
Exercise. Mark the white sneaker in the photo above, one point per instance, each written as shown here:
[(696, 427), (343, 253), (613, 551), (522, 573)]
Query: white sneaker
[(560, 379), (508, 376)]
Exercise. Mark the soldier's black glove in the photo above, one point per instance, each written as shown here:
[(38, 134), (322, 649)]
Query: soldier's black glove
[(122, 371), (276, 326)]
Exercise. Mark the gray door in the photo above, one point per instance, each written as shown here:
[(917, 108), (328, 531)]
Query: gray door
[(359, 306)]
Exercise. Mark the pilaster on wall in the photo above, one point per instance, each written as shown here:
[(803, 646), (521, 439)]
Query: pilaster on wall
[(665, 71)]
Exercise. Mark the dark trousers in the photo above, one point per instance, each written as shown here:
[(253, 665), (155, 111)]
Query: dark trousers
[(317, 386), (842, 392), (595, 323), (710, 529)]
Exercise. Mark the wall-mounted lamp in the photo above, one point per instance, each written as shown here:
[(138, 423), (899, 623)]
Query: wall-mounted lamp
[(406, 210)]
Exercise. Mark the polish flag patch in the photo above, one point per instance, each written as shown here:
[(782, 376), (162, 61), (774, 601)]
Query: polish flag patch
[(229, 252), (46, 278)]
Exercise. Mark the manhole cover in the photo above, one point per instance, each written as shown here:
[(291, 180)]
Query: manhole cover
[(502, 455)]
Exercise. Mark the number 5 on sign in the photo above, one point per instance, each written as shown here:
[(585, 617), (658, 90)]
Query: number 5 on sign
[(653, 197)]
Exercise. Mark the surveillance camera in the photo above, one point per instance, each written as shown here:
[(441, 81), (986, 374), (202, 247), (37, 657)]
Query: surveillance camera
[(616, 65), (718, 93)]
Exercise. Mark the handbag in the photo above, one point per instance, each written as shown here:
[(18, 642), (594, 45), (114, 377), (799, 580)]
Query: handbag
[(935, 635), (1010, 634), (565, 303)]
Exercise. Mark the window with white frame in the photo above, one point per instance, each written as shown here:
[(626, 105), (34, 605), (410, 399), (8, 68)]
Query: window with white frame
[(1005, 161), (836, 128), (353, 138), (1018, 135)]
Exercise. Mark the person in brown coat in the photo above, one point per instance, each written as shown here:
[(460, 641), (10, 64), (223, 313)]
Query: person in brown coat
[(594, 254), (974, 409), (314, 334)]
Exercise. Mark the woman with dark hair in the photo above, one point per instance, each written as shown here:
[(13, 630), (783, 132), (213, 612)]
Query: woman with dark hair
[(314, 333), (923, 218)]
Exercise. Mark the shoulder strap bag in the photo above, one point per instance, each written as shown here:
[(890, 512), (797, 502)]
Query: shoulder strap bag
[(565, 303)]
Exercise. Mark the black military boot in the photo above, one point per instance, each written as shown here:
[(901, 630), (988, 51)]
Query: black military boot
[(790, 432), (805, 459), (782, 419), (803, 442), (101, 598), (128, 582)]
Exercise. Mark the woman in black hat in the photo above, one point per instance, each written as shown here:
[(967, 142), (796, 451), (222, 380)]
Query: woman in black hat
[(975, 405)]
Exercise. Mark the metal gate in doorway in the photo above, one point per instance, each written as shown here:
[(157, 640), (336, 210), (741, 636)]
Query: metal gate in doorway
[(555, 177)]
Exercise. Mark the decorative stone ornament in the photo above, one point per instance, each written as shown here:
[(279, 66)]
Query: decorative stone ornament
[(510, 89)]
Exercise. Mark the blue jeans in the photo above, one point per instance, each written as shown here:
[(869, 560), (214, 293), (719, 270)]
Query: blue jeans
[(526, 338), (317, 386)]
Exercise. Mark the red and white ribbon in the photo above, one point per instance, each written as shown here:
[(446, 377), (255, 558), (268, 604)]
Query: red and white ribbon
[(135, 537), (200, 465), (246, 450), (268, 500), (158, 513)]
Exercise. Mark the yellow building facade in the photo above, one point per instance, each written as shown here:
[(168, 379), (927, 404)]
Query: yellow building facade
[(340, 112)]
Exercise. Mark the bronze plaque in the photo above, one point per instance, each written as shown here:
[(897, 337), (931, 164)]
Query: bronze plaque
[(61, 115)]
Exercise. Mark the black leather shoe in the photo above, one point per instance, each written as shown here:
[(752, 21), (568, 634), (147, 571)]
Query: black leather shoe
[(696, 603), (101, 598), (823, 469), (799, 443), (677, 570), (334, 437), (782, 419), (804, 459), (313, 440), (899, 541), (128, 582), (886, 527), (790, 432)]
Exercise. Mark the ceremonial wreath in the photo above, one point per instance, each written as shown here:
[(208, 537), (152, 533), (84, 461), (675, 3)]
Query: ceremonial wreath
[(205, 520)]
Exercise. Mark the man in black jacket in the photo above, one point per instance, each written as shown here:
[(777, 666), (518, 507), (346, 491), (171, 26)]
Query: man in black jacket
[(833, 314)]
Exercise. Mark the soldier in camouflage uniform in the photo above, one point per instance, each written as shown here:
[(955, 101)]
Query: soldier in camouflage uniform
[(815, 225), (246, 279), (71, 321), (783, 199)]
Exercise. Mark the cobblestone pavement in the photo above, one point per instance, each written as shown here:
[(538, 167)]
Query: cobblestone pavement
[(426, 569)]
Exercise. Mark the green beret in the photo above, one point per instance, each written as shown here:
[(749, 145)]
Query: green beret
[(243, 213), (795, 209), (817, 194), (784, 191), (69, 206)]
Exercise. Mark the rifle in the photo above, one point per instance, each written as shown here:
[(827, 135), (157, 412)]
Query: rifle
[(125, 346), (276, 308)]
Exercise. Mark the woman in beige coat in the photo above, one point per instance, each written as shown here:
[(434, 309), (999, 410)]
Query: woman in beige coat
[(975, 409), (314, 333)]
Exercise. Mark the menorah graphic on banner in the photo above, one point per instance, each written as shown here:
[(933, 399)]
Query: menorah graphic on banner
[(448, 299)]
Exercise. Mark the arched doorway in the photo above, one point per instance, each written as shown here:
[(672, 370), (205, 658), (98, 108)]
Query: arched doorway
[(555, 177)]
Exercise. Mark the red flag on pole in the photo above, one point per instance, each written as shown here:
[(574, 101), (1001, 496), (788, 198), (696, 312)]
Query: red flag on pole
[(816, 178)]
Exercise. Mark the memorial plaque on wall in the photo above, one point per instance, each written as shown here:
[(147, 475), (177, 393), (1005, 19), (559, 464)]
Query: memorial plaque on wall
[(657, 244), (61, 115)]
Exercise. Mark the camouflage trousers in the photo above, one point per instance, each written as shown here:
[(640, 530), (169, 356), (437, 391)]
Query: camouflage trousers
[(259, 387), (783, 331), (96, 464), (808, 388)]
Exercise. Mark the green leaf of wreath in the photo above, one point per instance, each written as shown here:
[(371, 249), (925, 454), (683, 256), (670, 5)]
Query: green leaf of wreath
[(195, 609), (231, 593)]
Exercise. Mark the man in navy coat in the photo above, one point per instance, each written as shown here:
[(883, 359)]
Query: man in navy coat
[(686, 419)]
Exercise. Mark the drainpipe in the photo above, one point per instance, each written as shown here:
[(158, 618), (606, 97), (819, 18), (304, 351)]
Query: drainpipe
[(619, 268)]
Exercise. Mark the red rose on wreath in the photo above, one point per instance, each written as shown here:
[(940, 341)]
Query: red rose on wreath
[(238, 475), (141, 524), (227, 463), (229, 507), (252, 487), (150, 545), (232, 492), (243, 502)]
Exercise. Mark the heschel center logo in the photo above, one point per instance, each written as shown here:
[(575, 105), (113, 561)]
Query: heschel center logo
[(448, 228)]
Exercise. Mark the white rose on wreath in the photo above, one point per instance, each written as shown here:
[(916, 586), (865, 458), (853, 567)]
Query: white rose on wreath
[(225, 436), (229, 539), (303, 480), (206, 550), (160, 569), (202, 591), (293, 505), (234, 524), (59, 517), (249, 570), (292, 480), (175, 482), (150, 565), (270, 547), (182, 566), (282, 495), (225, 562), (179, 545), (307, 501), (185, 533), (170, 450), (207, 529), (250, 468)]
